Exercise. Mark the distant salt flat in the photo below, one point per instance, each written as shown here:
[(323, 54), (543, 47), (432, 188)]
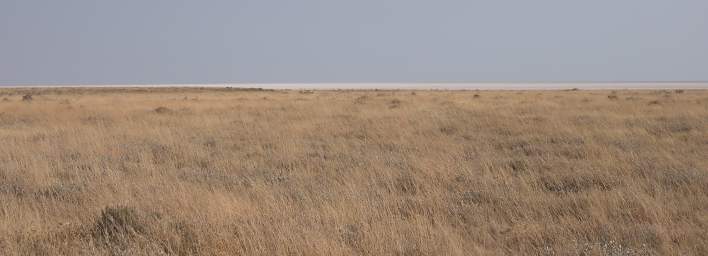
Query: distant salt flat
[(408, 86)]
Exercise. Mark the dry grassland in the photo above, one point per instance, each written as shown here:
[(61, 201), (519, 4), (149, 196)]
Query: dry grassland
[(241, 172)]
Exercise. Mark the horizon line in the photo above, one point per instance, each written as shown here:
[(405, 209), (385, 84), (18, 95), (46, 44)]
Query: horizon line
[(633, 85)]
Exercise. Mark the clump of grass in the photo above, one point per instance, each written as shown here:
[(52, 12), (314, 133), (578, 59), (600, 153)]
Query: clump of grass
[(119, 225), (395, 103), (448, 130), (361, 99), (407, 185), (654, 102), (574, 184), (679, 91), (612, 97), (353, 236), (163, 110), (27, 98)]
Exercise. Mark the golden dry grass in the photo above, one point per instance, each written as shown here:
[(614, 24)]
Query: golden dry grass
[(231, 172)]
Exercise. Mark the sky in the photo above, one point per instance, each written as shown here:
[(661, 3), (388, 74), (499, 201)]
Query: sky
[(320, 41)]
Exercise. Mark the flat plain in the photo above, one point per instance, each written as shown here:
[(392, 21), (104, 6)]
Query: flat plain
[(189, 171)]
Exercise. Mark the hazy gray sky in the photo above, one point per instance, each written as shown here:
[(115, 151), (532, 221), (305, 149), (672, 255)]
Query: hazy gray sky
[(138, 41)]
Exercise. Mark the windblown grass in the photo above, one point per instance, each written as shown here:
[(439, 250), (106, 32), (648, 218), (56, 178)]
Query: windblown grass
[(239, 172)]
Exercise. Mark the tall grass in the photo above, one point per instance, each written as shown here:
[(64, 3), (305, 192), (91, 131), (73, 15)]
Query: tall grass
[(231, 172)]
